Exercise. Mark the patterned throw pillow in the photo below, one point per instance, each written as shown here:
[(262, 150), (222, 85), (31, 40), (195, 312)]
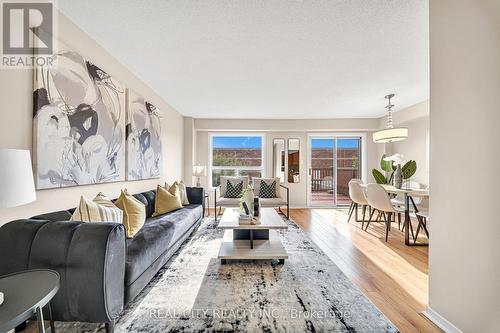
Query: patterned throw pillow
[(101, 209), (234, 191), (267, 190)]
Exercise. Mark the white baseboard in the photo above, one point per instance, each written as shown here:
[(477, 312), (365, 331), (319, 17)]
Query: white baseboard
[(440, 321)]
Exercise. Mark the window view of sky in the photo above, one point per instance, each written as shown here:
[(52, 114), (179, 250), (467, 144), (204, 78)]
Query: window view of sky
[(341, 143), (237, 142), (256, 142)]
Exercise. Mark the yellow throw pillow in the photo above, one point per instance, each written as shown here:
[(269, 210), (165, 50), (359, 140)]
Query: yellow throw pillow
[(134, 213), (167, 201)]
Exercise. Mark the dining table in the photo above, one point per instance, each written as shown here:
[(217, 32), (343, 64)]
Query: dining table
[(408, 195)]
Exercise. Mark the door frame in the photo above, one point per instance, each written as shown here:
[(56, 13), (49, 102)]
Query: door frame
[(334, 135)]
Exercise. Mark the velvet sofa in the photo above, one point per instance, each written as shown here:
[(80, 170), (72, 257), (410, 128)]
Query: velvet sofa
[(101, 270)]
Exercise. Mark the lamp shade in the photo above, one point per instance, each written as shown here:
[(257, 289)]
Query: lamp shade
[(199, 170), (16, 178), (390, 135)]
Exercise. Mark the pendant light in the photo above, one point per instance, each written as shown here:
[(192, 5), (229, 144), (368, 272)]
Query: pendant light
[(390, 133)]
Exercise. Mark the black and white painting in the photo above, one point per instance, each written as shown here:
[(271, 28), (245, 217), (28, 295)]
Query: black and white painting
[(144, 154), (78, 123)]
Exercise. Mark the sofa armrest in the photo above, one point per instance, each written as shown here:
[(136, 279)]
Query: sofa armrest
[(89, 257), (196, 195)]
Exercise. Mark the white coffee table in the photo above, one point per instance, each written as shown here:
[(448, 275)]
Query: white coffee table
[(259, 241)]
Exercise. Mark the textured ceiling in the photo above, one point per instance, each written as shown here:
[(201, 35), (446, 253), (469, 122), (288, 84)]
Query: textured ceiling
[(268, 58)]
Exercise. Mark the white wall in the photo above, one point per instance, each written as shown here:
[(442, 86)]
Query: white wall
[(464, 267), (285, 129), (416, 147), (16, 110)]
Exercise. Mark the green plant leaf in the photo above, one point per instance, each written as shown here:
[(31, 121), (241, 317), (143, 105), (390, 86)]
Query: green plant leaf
[(379, 177), (385, 165), (409, 169)]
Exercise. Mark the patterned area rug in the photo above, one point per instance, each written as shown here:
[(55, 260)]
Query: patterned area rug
[(195, 293)]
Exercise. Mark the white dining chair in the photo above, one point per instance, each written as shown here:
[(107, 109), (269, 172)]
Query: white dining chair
[(378, 199), (399, 200), (357, 195), (423, 218)]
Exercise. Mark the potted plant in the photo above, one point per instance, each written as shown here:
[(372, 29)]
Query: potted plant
[(397, 168)]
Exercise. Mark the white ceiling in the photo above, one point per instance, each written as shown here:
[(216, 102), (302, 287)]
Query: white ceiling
[(268, 58)]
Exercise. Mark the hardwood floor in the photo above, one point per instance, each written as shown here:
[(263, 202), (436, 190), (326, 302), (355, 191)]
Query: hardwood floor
[(392, 275)]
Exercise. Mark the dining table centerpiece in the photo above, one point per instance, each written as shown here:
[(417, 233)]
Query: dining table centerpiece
[(398, 169)]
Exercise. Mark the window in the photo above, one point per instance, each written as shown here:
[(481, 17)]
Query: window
[(235, 155)]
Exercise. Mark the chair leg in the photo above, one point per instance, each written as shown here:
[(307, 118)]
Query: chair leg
[(418, 228), (370, 219), (110, 327), (350, 209), (215, 208), (350, 214), (411, 228), (399, 221), (422, 224), (356, 212), (364, 213), (387, 225), (425, 226)]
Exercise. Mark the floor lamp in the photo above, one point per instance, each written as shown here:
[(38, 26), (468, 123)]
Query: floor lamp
[(16, 181)]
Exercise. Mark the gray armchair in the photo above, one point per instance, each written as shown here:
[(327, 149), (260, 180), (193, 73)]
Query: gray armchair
[(281, 199), (222, 200)]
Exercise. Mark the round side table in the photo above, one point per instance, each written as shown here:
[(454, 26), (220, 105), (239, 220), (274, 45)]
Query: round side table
[(25, 294)]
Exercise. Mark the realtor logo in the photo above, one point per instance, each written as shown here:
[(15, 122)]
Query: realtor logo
[(27, 33)]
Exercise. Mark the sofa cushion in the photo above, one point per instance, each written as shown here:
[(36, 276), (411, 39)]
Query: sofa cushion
[(150, 207), (141, 198), (62, 215), (228, 202), (272, 202), (156, 236)]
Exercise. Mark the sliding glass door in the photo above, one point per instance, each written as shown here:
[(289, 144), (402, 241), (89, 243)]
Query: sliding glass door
[(333, 162), (348, 156), (321, 172)]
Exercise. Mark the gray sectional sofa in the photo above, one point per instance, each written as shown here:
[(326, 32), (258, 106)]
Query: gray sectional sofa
[(101, 270)]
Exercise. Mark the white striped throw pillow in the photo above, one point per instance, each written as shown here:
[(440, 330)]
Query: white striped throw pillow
[(101, 209)]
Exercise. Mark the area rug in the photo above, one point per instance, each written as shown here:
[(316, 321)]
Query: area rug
[(195, 293)]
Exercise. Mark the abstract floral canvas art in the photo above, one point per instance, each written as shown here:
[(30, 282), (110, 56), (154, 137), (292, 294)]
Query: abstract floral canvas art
[(78, 123), (144, 154)]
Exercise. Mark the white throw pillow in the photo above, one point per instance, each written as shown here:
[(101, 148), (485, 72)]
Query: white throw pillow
[(183, 190), (101, 209)]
